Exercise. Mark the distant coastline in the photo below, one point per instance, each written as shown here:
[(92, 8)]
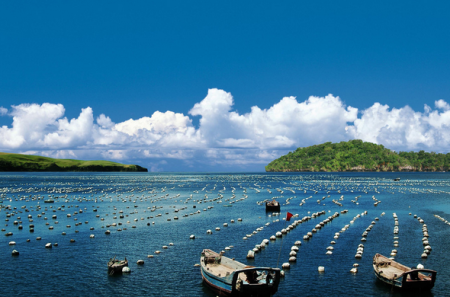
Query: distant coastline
[(23, 163), (358, 156)]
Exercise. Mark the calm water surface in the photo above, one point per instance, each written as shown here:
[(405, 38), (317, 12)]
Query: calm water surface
[(147, 201)]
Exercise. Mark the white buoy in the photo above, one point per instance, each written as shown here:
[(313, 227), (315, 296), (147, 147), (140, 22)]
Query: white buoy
[(420, 266), (48, 245), (12, 243), (354, 270), (321, 269), (140, 262), (292, 259), (126, 269), (15, 253), (92, 236), (286, 265), (192, 236), (250, 254)]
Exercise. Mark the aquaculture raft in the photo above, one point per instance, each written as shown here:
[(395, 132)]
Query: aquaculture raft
[(228, 277), (401, 276), (115, 266), (272, 205)]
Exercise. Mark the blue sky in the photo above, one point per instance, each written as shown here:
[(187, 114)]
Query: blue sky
[(386, 61)]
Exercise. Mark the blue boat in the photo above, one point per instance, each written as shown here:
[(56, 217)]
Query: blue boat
[(228, 277)]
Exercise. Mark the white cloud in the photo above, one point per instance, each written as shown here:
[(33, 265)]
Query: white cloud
[(404, 128), (224, 137), (3, 111)]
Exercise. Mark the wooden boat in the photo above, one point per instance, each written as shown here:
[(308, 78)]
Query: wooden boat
[(228, 277), (401, 276), (272, 205), (115, 266)]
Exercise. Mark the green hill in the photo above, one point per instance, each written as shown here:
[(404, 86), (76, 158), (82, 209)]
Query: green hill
[(356, 155), (18, 162)]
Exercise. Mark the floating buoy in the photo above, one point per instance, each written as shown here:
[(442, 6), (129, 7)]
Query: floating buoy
[(424, 255), (150, 256), (354, 270), (12, 243), (140, 262), (292, 259), (15, 253), (250, 254), (420, 266), (192, 236), (321, 269), (126, 269), (48, 246), (286, 265)]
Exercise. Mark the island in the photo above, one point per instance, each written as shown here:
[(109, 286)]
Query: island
[(20, 162), (357, 155)]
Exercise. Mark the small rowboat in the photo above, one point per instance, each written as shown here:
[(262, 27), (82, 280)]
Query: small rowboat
[(401, 276), (228, 277), (272, 205), (115, 266)]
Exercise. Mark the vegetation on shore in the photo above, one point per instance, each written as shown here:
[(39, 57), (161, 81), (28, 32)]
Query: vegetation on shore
[(356, 155), (19, 162)]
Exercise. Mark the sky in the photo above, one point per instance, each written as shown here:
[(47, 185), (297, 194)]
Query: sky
[(221, 86)]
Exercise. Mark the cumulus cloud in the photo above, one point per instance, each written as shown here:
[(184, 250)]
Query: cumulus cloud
[(224, 138), (404, 128), (285, 124), (3, 111)]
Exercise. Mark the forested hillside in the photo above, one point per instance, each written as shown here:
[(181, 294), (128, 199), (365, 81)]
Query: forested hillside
[(356, 155)]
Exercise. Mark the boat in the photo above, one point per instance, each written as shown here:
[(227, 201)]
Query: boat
[(397, 179), (401, 276), (272, 205), (115, 266), (49, 201), (228, 277)]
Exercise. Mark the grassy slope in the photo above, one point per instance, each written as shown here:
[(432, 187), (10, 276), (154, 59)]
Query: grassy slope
[(18, 162)]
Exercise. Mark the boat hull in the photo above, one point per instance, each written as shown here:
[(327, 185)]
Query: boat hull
[(404, 278), (227, 277)]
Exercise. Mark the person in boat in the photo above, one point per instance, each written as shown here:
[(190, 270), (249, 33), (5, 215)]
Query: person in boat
[(414, 275), (251, 277)]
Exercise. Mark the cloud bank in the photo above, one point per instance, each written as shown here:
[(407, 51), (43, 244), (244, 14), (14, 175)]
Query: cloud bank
[(224, 139)]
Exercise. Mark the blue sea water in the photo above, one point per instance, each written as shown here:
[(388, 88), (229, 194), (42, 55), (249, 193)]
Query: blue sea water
[(148, 200)]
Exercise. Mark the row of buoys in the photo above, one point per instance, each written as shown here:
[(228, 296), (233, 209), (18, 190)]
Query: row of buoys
[(425, 240), (442, 219)]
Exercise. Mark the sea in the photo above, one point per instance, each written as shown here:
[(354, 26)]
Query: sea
[(153, 217)]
